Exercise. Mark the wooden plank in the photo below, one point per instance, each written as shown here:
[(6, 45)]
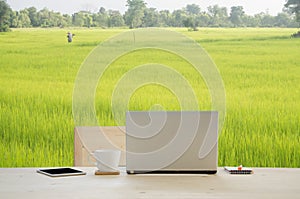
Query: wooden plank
[(264, 183), (78, 149), (89, 139)]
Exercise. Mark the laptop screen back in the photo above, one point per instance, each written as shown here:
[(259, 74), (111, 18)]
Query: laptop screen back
[(162, 141)]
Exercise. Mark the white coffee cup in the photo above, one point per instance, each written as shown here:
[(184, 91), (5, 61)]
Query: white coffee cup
[(107, 160)]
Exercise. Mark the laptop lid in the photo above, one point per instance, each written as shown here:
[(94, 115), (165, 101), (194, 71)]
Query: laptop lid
[(171, 141)]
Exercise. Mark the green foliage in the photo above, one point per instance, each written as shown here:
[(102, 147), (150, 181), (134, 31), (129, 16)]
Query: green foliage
[(135, 13), (115, 19), (236, 15), (32, 14), (78, 19), (151, 18), (4, 16), (23, 19), (192, 21), (218, 16), (294, 7), (260, 69), (164, 18), (101, 18), (192, 9), (139, 15)]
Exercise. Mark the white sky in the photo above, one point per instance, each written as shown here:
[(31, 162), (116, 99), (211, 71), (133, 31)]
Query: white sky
[(66, 6)]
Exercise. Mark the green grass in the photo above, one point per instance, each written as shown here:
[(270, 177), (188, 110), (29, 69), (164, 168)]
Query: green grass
[(260, 69)]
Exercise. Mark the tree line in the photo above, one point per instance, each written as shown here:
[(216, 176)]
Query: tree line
[(139, 15)]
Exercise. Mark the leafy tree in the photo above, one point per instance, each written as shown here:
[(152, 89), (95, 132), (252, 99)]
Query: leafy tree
[(101, 18), (151, 18), (294, 7), (236, 15), (13, 19), (32, 14), (192, 9), (83, 19), (88, 20), (203, 19), (102, 11), (48, 18), (267, 20), (23, 19), (56, 19), (252, 21), (192, 21), (43, 17), (5, 12), (283, 20), (164, 18), (115, 19), (178, 18), (67, 20), (218, 15), (78, 19), (135, 13), (64, 20)]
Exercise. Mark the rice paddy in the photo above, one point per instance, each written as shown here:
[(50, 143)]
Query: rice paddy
[(259, 67)]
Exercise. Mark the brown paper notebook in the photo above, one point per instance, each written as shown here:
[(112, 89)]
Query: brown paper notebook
[(107, 173)]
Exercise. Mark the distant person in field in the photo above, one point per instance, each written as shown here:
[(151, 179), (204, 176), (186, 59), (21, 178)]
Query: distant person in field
[(70, 37)]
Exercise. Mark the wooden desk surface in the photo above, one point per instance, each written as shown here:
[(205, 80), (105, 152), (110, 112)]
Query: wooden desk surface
[(264, 183)]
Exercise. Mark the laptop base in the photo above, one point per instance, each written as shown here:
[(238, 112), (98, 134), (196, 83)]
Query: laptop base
[(209, 172)]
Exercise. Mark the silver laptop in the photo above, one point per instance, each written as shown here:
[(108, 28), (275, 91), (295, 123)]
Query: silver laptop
[(171, 142)]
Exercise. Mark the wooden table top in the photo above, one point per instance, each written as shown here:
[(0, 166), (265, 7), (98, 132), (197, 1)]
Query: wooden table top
[(264, 183)]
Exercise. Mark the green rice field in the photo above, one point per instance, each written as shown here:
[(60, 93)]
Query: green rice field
[(260, 69)]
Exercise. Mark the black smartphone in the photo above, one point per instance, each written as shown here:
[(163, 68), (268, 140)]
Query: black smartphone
[(61, 172)]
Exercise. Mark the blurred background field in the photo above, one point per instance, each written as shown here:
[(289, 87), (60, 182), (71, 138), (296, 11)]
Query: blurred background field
[(259, 67)]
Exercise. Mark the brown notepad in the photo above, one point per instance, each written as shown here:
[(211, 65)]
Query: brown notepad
[(97, 172)]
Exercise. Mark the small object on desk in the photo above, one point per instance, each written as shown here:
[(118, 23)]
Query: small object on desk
[(61, 172), (97, 172), (239, 170), (240, 167)]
